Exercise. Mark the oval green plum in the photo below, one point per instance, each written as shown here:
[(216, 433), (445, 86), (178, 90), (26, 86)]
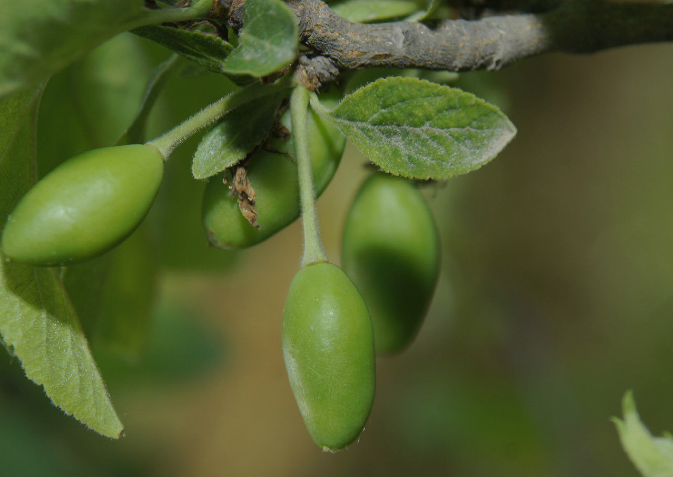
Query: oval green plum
[(274, 179), (328, 347), (85, 206), (390, 250)]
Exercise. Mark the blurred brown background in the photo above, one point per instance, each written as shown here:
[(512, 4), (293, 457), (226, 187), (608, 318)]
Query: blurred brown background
[(555, 298)]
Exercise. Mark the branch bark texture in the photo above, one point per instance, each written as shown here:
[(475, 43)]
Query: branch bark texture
[(570, 26)]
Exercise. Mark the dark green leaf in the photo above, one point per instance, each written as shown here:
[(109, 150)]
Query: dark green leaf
[(40, 37), (235, 136), (107, 85), (114, 295), (94, 100), (205, 49), (135, 133), (127, 300), (37, 321), (422, 130), (268, 41), (377, 10)]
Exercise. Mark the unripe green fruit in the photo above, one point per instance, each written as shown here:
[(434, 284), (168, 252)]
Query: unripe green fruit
[(274, 179), (328, 347), (84, 207), (390, 250)]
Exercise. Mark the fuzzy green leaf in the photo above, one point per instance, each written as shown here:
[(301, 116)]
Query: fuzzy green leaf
[(268, 40), (209, 51), (37, 321), (652, 456), (421, 130), (235, 136), (372, 11), (40, 37)]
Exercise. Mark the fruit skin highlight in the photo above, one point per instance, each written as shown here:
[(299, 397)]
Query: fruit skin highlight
[(328, 348), (85, 206), (274, 179), (390, 250)]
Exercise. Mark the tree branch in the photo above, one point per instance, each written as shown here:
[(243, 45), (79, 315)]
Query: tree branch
[(576, 26)]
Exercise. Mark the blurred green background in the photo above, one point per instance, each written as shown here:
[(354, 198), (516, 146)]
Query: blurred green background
[(555, 295)]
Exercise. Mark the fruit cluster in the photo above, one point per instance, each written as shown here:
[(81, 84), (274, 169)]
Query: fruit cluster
[(334, 322)]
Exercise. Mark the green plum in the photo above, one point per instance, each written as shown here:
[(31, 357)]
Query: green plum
[(390, 250), (328, 347), (273, 176), (85, 206)]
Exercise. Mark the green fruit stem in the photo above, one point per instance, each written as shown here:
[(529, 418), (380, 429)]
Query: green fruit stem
[(313, 251), (171, 139)]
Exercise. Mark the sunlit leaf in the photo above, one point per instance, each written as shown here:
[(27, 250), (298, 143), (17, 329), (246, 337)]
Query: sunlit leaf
[(37, 321), (422, 130), (652, 456)]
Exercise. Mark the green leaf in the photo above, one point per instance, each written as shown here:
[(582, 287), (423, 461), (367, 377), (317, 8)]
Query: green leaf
[(106, 86), (652, 456), (424, 15), (421, 130), (235, 136), (205, 49), (94, 100), (127, 301), (37, 321), (432, 8), (377, 10), (135, 132), (40, 37), (268, 40), (114, 295)]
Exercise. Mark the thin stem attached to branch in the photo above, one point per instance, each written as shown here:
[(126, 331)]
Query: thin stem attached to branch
[(313, 251), (208, 115)]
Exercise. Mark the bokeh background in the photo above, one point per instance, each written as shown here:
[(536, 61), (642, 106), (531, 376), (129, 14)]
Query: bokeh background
[(555, 295)]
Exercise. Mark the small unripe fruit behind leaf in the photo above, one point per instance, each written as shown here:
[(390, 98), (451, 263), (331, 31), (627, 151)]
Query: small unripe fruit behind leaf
[(273, 176), (390, 250), (328, 347), (85, 206)]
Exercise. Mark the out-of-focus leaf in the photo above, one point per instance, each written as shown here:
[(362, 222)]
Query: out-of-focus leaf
[(127, 301), (372, 11), (268, 40), (135, 133), (37, 321), (94, 100), (652, 456), (114, 295), (422, 130), (107, 87), (23, 451), (235, 136), (40, 37), (179, 348)]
